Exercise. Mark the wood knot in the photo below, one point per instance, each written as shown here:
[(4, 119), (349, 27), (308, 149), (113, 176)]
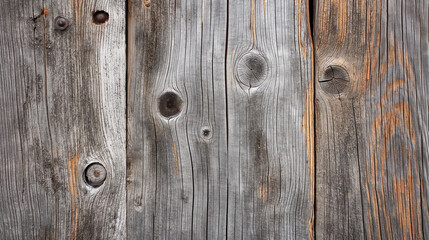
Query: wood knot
[(95, 174), (252, 69), (61, 23), (169, 104), (335, 80), (100, 17)]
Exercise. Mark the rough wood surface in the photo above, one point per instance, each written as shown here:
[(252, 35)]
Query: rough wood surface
[(214, 119), (372, 136), (177, 135), (269, 70), (218, 119), (62, 100)]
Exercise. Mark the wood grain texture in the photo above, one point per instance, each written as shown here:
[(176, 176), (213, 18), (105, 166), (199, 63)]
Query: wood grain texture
[(269, 71), (371, 154), (63, 106), (177, 156), (234, 161)]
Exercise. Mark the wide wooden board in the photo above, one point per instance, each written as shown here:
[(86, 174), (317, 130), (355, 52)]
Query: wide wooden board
[(62, 100)]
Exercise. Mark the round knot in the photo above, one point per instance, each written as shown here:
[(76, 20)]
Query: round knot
[(100, 17), (335, 80), (169, 104), (61, 23), (252, 69), (95, 174)]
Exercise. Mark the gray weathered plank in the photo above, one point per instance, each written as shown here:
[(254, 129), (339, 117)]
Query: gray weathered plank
[(176, 153), (248, 179), (270, 141), (372, 128), (62, 99)]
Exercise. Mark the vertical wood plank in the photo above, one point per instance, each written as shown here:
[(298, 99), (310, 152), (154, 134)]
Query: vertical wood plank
[(371, 123), (269, 72), (176, 151), (63, 99)]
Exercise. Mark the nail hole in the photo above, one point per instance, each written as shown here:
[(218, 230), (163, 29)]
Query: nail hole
[(169, 104), (61, 23), (100, 17), (95, 174), (206, 132), (335, 80)]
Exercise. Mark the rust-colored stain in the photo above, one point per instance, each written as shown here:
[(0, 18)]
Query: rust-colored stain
[(77, 6), (300, 14), (308, 129), (72, 172), (333, 10), (46, 11), (264, 190), (261, 192), (177, 160), (146, 3), (394, 119), (253, 22)]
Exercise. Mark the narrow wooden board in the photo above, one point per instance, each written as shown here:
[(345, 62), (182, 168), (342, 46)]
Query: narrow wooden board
[(62, 100), (270, 117), (372, 155), (176, 154)]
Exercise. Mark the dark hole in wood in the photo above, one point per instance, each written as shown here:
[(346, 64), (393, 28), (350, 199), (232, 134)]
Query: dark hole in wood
[(169, 104), (335, 80), (61, 23), (100, 17), (95, 174), (206, 132)]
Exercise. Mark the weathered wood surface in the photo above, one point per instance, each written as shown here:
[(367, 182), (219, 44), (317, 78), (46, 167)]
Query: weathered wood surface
[(216, 119), (62, 102), (177, 145), (372, 128), (269, 67), (242, 69)]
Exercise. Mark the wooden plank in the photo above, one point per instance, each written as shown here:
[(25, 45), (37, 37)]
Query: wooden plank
[(176, 149), (270, 99), (63, 106), (371, 119), (177, 176)]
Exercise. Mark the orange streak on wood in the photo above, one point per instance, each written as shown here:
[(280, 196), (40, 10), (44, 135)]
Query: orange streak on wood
[(391, 52), (308, 128), (146, 3), (387, 124), (261, 192), (72, 172), (177, 160), (341, 20), (46, 11), (300, 17), (253, 22)]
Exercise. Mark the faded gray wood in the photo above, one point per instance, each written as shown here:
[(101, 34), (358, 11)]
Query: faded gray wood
[(242, 71), (176, 154), (372, 136), (62, 100), (269, 71)]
